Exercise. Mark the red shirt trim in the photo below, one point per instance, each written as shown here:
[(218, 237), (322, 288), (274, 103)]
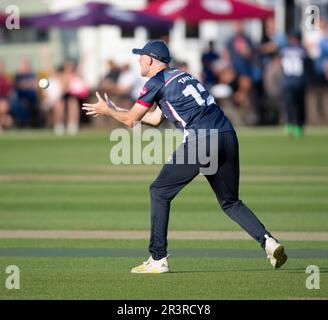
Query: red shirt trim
[(144, 103)]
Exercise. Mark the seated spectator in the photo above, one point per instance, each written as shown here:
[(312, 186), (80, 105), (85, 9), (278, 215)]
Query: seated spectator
[(234, 89), (26, 106), (226, 88), (240, 49), (227, 77), (239, 83)]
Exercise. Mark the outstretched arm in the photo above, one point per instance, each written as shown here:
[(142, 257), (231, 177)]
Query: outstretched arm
[(127, 117)]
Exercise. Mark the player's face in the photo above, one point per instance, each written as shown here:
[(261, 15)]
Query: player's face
[(145, 63)]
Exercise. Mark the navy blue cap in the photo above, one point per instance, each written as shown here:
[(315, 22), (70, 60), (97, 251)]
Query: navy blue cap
[(156, 49), (294, 33)]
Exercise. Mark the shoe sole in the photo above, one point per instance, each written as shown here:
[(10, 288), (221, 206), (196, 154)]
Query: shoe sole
[(150, 272), (280, 256)]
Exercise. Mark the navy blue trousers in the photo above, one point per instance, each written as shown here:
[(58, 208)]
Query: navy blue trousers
[(294, 101), (224, 181)]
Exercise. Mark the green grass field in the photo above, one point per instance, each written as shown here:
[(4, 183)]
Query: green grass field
[(67, 183)]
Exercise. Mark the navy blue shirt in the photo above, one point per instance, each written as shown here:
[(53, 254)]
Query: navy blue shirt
[(184, 101), (293, 61), (240, 48)]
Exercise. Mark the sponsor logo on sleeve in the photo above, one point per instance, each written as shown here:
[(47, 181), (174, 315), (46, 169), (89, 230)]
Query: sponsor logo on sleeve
[(143, 91)]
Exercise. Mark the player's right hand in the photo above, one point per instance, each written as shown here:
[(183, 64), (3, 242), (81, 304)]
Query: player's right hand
[(99, 108)]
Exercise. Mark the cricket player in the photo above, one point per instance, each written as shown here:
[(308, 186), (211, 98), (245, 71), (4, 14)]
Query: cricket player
[(181, 98), (294, 62)]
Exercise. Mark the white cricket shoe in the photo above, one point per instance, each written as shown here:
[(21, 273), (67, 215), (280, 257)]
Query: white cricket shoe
[(152, 266), (275, 252)]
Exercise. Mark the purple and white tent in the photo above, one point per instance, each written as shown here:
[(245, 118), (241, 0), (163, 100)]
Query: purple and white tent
[(95, 14)]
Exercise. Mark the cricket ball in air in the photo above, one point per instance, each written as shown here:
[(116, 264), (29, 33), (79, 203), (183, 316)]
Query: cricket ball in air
[(44, 83)]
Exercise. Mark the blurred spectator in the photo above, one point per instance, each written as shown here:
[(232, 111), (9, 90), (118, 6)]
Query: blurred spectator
[(324, 63), (312, 39), (324, 53), (323, 58), (5, 88), (53, 99), (108, 84), (183, 66), (226, 76), (264, 68), (271, 42), (128, 86), (272, 78), (241, 52), (226, 87), (66, 92), (293, 61), (74, 91), (315, 42), (209, 58), (240, 86), (26, 105), (241, 49)]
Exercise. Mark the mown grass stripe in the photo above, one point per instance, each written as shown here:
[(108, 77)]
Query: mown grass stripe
[(150, 177), (144, 234), (142, 169), (180, 252)]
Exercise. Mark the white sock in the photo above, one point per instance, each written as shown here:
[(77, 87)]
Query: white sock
[(266, 236)]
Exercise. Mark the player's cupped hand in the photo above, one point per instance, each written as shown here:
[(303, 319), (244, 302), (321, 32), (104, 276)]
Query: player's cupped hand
[(100, 108)]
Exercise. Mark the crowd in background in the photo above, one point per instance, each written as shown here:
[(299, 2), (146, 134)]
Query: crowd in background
[(23, 105), (267, 82), (255, 83)]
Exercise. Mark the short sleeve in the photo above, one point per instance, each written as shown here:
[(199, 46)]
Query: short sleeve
[(148, 93)]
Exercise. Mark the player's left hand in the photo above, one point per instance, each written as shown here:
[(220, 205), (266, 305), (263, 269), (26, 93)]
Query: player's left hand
[(99, 108)]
